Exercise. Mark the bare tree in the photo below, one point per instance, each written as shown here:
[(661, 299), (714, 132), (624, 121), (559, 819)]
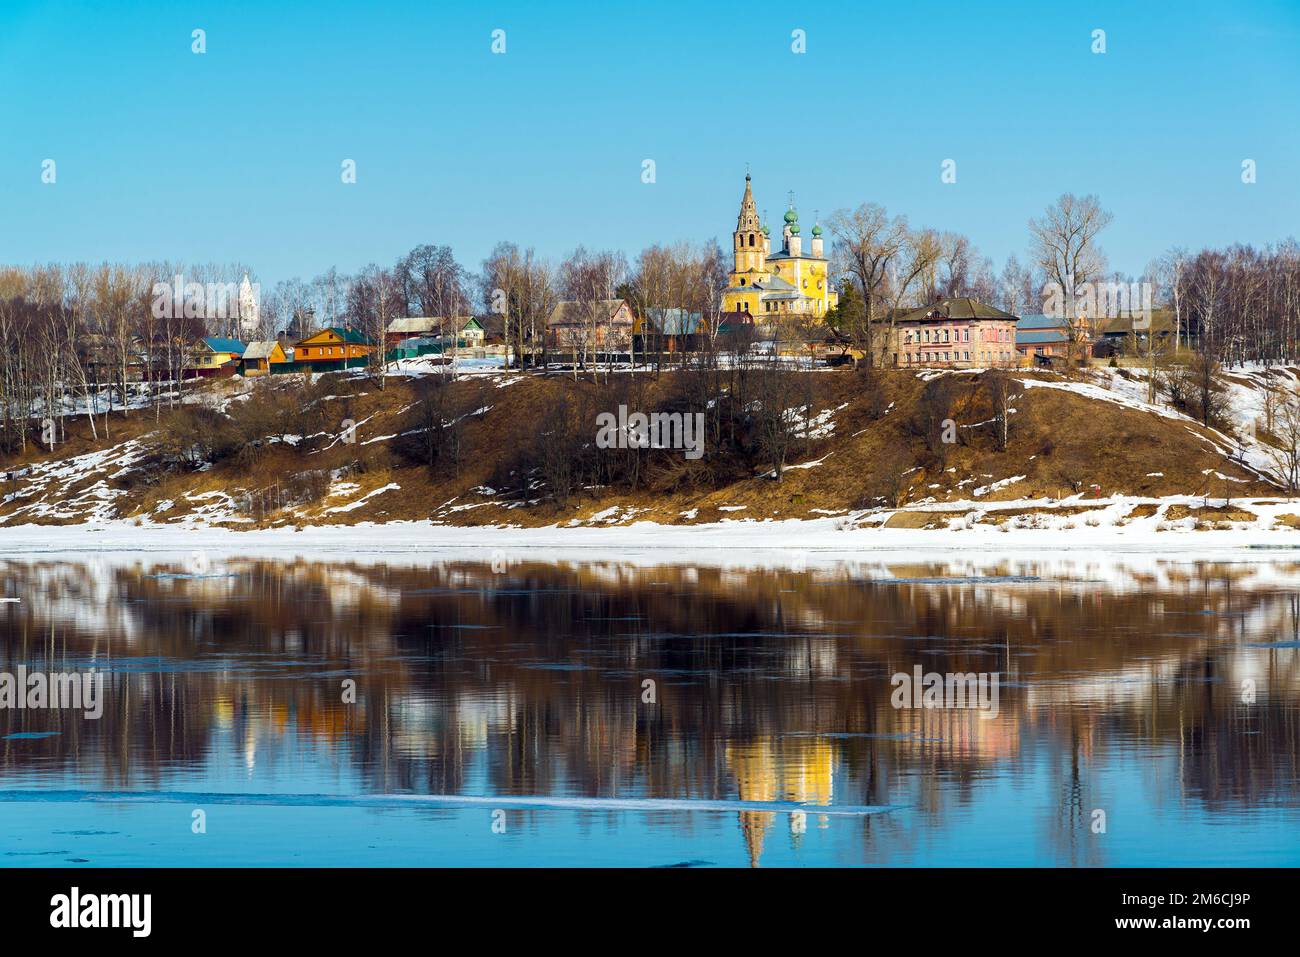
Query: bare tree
[(1017, 288), (920, 252), (433, 284), (589, 280), (374, 300), (953, 262), (866, 243), (776, 393), (1209, 391), (519, 287), (1065, 248), (1285, 434), (80, 302), (1171, 270), (998, 385)]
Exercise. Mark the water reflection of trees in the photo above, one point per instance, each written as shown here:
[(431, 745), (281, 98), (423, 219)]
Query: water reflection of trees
[(770, 685)]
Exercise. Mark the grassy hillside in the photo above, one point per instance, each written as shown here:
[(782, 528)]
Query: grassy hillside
[(520, 450)]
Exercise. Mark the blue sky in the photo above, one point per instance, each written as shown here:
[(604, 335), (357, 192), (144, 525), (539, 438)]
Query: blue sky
[(235, 154)]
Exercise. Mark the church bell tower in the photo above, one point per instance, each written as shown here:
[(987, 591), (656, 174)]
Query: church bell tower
[(748, 239)]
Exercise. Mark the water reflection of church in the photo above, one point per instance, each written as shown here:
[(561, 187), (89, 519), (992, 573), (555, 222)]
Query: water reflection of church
[(800, 770)]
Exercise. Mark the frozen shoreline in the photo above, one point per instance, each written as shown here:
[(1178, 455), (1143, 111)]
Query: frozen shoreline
[(729, 542)]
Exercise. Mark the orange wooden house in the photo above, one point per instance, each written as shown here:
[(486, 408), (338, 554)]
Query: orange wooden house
[(333, 346)]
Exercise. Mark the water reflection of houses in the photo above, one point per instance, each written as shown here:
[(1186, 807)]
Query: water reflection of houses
[(773, 684)]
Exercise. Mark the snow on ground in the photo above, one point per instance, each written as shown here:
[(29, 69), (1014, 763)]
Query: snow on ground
[(994, 486), (49, 484), (436, 365), (45, 490), (351, 506), (212, 508), (818, 426), (1244, 402), (143, 395), (855, 535), (609, 516), (1116, 396), (806, 465)]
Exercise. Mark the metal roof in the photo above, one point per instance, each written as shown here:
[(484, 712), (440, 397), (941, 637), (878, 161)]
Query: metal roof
[(414, 324), (675, 322), (570, 311), (222, 344), (1032, 337), (260, 349), (1039, 321)]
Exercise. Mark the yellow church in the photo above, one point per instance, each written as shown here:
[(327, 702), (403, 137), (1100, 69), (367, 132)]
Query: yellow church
[(776, 285)]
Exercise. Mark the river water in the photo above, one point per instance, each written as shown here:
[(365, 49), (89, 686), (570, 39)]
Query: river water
[(630, 712)]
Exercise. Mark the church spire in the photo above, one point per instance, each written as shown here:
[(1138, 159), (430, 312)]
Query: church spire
[(748, 218), (748, 240)]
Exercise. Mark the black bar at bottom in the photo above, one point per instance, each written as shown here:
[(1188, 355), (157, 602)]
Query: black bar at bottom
[(332, 906)]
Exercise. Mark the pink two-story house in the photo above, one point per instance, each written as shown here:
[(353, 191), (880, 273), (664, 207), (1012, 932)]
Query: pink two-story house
[(956, 334)]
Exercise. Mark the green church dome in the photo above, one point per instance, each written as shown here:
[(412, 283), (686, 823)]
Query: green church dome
[(794, 229), (817, 230), (791, 216)]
